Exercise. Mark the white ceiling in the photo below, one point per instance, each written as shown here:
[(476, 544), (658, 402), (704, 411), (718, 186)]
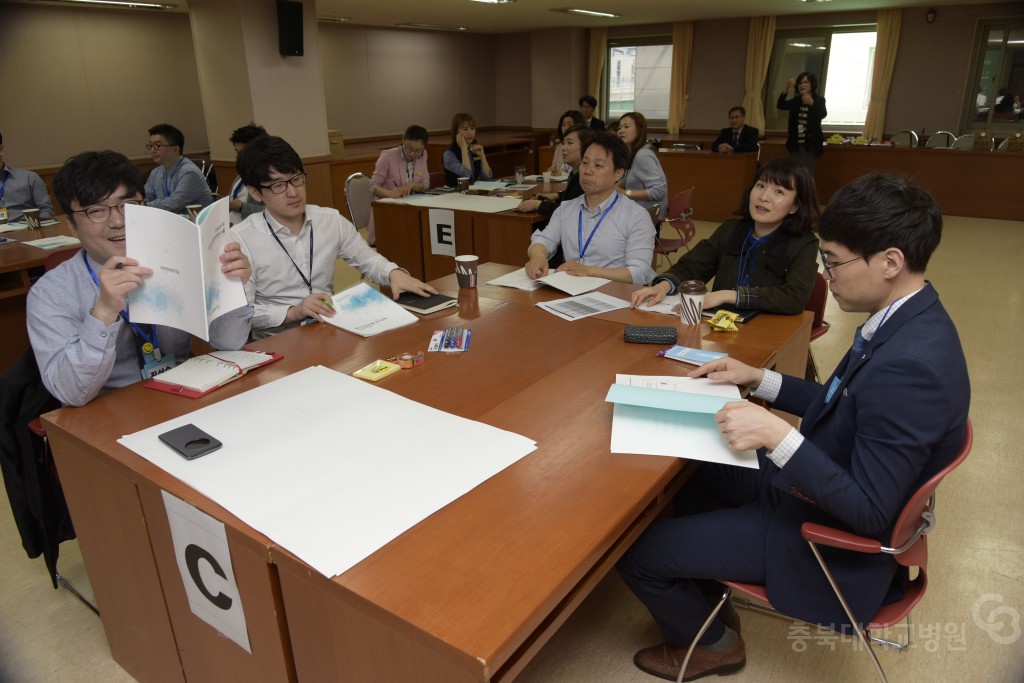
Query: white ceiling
[(525, 15)]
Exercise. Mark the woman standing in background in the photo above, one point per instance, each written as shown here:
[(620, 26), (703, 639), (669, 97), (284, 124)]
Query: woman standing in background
[(806, 109)]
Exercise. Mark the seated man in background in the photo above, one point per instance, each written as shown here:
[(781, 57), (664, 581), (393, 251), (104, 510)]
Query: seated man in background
[(21, 189), (294, 246), (401, 170), (78, 321), (238, 205), (891, 416), (738, 137), (588, 103), (176, 181), (600, 233)]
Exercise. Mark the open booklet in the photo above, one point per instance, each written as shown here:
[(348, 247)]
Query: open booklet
[(570, 284), (363, 310), (187, 290), (673, 416), (200, 375)]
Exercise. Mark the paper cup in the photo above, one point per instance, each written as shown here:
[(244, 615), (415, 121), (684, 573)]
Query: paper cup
[(193, 211), (465, 270), (463, 184), (31, 218), (547, 180), (691, 300)]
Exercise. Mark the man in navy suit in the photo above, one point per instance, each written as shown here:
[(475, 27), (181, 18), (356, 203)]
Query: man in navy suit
[(738, 137), (891, 416), (588, 103)]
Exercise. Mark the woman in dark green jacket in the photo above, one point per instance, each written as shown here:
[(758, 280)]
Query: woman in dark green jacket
[(764, 260)]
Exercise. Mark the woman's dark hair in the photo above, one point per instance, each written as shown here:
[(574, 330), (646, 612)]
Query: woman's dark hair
[(792, 175), (810, 77), (640, 121), (90, 177), (585, 134), (458, 120), (577, 120)]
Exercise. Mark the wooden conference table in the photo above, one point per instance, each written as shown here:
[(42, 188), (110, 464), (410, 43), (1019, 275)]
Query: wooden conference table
[(469, 594), (17, 261)]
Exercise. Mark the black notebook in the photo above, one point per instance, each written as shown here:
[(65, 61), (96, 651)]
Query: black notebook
[(426, 304), (745, 314)]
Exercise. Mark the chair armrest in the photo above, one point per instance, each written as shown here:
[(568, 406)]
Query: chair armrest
[(834, 538)]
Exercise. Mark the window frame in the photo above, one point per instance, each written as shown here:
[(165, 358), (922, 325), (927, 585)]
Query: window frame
[(777, 121), (968, 111), (607, 76)]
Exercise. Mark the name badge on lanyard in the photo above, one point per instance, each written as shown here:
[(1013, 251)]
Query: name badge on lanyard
[(154, 362)]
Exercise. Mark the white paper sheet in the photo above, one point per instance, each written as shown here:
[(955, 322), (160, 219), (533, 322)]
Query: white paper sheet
[(662, 431), (54, 242), (363, 310), (470, 202), (583, 306), (664, 307), (330, 467), (573, 284), (187, 290), (517, 279)]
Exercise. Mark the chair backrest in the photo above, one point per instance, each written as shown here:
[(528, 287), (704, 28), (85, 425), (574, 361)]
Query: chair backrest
[(922, 502), (56, 258), (905, 138), (680, 213), (358, 197), (816, 303), (437, 179), (654, 211), (942, 139), (964, 142)]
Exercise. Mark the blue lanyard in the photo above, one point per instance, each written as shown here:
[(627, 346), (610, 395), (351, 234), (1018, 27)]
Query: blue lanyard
[(124, 314), (309, 280), (3, 187), (237, 189), (747, 256), (584, 247), (167, 177)]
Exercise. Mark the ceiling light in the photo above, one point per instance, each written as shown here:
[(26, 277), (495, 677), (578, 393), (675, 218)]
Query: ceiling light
[(588, 12), (433, 27), (114, 3), (495, 2)]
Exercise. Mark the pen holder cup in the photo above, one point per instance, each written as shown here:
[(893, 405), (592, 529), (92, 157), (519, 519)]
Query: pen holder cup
[(466, 270)]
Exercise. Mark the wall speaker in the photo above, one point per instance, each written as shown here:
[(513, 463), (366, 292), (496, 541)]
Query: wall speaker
[(289, 27)]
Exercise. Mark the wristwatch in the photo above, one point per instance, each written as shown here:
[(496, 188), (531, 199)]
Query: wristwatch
[(629, 194)]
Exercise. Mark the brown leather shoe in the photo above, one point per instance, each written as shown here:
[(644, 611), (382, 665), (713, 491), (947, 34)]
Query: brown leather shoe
[(664, 661)]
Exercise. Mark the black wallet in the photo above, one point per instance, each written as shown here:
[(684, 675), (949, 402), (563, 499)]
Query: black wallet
[(190, 441), (649, 334)]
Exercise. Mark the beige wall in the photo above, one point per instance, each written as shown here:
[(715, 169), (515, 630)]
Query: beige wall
[(99, 78), (74, 80), (379, 81)]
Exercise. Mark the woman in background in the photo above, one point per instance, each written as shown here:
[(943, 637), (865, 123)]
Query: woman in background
[(465, 158), (766, 259), (806, 109), (569, 119), (645, 181)]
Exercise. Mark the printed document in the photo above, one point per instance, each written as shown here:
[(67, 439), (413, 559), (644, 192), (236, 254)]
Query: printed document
[(187, 290)]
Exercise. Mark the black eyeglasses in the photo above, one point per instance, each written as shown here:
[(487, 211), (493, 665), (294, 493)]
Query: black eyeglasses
[(297, 180), (829, 266), (101, 212), (153, 146)]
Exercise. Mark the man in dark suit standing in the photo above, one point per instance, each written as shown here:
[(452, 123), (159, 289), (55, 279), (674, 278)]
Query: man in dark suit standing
[(738, 137), (587, 106), (891, 416)]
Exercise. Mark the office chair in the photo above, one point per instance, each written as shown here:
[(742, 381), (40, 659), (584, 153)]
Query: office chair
[(816, 304), (358, 197), (965, 141), (436, 179), (905, 138), (909, 545), (679, 216), (941, 140)]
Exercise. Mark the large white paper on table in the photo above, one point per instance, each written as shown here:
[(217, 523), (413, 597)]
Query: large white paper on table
[(470, 202), (487, 185), (363, 310), (331, 479), (673, 416), (187, 290), (54, 242), (583, 306), (570, 284)]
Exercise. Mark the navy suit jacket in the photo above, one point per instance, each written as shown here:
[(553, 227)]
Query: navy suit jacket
[(897, 417), (748, 139), (596, 124)]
